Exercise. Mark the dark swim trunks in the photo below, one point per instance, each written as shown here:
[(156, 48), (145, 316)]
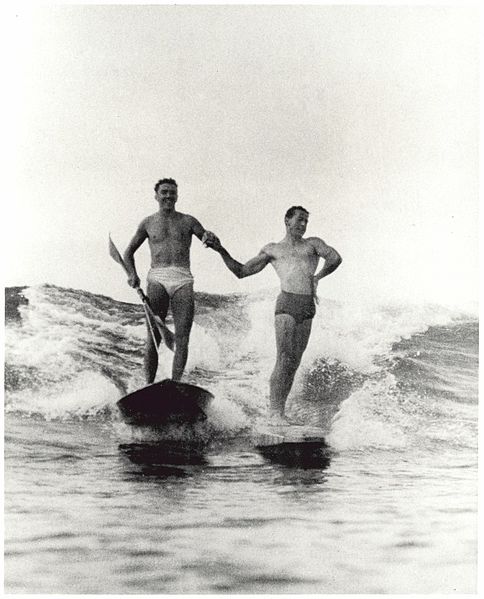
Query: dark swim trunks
[(299, 306)]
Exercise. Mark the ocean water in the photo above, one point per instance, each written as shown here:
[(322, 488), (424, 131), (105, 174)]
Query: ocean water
[(95, 506)]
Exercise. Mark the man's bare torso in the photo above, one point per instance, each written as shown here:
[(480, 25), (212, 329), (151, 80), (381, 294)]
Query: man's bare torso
[(170, 238), (294, 264)]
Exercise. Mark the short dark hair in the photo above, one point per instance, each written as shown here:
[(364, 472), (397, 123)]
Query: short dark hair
[(292, 210), (162, 181)]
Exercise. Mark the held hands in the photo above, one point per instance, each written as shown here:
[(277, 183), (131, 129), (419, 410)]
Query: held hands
[(210, 240)]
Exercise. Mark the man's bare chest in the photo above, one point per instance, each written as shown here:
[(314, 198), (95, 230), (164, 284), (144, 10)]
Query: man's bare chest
[(303, 254), (168, 232)]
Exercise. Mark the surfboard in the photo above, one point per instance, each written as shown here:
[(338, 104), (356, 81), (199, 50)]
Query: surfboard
[(165, 402), (292, 443)]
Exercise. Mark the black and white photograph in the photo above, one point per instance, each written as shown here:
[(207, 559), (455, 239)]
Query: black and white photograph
[(241, 277)]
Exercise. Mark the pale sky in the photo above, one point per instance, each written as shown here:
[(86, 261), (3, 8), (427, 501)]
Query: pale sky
[(366, 115)]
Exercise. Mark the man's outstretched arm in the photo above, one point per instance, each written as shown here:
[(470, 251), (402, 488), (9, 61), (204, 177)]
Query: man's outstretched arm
[(252, 267)]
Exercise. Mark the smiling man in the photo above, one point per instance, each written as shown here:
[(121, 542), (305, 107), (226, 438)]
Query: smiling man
[(170, 281), (295, 260)]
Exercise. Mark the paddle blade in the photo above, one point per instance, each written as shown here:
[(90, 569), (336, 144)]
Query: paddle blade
[(115, 255), (167, 336)]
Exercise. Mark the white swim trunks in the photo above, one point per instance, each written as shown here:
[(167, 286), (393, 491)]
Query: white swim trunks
[(171, 277)]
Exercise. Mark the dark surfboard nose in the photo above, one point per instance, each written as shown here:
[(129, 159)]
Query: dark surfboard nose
[(165, 402)]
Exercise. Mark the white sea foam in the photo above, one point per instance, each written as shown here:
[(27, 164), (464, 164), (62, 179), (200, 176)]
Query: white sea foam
[(363, 419), (60, 350), (204, 350), (355, 334), (85, 395), (226, 416)]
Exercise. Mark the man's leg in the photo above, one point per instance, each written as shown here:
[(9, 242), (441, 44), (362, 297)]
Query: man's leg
[(291, 341), (183, 308), (285, 367), (159, 301), (303, 331)]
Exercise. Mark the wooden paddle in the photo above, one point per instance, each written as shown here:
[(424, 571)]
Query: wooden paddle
[(151, 317)]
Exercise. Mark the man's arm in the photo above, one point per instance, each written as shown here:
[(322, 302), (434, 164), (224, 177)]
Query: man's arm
[(138, 238), (331, 258), (252, 267), (205, 236)]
